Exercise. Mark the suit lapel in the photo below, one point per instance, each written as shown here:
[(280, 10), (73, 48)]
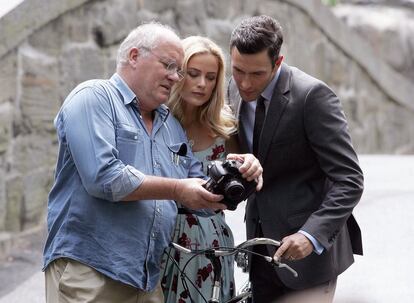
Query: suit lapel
[(276, 108)]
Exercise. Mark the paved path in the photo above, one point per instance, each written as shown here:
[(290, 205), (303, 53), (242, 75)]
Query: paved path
[(385, 273), (385, 214)]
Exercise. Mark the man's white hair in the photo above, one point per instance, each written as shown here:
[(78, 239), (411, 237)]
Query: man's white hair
[(145, 36)]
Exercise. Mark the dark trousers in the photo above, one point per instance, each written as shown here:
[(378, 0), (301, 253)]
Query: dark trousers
[(266, 285), (268, 288)]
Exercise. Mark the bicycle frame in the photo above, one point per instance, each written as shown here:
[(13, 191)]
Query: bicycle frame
[(213, 255)]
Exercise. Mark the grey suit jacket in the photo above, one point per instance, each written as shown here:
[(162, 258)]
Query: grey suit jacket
[(312, 179)]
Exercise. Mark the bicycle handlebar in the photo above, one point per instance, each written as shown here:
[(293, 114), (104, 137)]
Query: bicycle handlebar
[(213, 253), (220, 252)]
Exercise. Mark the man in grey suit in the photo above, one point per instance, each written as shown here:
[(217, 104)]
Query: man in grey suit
[(296, 127)]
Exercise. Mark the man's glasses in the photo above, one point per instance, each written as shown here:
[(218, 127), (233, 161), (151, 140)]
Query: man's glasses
[(171, 67)]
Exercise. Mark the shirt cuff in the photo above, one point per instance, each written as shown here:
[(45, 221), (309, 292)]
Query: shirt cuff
[(317, 247), (128, 180)]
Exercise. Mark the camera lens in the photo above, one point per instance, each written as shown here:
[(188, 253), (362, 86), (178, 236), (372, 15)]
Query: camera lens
[(233, 190)]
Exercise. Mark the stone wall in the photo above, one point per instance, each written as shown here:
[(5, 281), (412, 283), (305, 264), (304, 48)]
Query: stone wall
[(47, 47), (388, 29)]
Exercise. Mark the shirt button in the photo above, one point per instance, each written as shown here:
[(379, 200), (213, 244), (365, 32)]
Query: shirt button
[(153, 235), (136, 137), (158, 209)]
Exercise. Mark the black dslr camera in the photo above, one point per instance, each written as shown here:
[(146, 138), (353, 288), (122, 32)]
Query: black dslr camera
[(225, 179)]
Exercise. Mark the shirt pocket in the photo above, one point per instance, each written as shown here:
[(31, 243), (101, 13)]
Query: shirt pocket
[(180, 162), (129, 143)]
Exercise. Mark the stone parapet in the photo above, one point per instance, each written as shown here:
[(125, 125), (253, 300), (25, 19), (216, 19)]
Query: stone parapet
[(28, 17)]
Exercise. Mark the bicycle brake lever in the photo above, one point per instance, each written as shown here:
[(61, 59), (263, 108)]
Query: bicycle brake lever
[(283, 265), (279, 264)]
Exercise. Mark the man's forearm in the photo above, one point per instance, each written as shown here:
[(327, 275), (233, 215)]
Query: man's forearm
[(189, 192), (155, 188)]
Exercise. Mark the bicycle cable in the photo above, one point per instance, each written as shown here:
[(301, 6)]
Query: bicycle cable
[(221, 251), (184, 278)]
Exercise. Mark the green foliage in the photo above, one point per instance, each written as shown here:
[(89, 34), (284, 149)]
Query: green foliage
[(330, 2)]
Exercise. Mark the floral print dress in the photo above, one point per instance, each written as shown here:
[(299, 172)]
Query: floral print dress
[(196, 232)]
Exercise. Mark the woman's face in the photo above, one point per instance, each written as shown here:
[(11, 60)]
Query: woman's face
[(200, 80)]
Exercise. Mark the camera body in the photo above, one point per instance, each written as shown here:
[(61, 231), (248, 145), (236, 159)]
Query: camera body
[(225, 179)]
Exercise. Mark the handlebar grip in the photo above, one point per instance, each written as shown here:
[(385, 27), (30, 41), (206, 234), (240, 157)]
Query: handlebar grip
[(257, 241)]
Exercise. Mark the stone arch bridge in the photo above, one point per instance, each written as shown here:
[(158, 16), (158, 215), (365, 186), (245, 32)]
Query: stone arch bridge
[(47, 47)]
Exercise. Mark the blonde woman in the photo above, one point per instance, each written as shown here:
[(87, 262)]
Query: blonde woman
[(198, 103)]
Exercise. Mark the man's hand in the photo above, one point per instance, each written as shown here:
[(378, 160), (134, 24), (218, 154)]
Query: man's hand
[(193, 195), (294, 247), (251, 169)]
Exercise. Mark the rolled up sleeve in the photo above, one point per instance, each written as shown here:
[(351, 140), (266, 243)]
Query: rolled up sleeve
[(89, 132), (124, 184)]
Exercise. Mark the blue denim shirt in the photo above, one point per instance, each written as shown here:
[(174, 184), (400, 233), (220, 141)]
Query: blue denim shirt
[(104, 154)]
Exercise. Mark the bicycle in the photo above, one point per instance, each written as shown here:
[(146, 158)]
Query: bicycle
[(213, 254)]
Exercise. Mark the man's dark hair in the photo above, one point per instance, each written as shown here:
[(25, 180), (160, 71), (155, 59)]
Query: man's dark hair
[(257, 33)]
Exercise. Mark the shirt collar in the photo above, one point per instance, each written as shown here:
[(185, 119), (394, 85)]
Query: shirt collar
[(123, 88), (163, 111), (268, 91), (129, 96)]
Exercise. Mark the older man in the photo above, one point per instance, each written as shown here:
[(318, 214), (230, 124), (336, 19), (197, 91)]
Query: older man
[(122, 160)]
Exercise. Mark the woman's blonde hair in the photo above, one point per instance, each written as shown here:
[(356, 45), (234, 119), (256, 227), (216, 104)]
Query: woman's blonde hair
[(215, 113)]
